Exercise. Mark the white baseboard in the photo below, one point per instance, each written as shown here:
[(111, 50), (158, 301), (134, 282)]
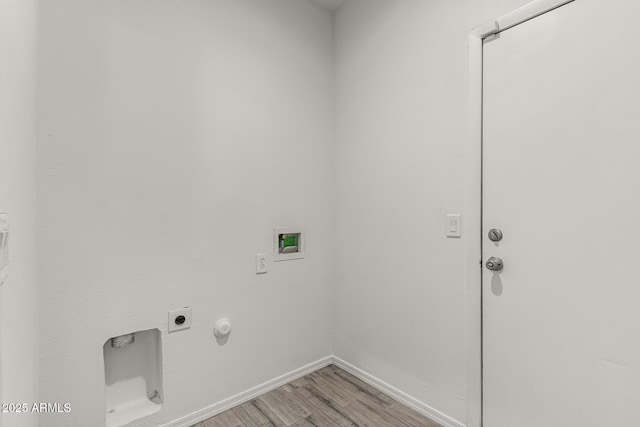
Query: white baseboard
[(252, 393), (398, 395)]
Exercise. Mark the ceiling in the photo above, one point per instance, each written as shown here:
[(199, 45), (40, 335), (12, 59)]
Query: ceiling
[(329, 4)]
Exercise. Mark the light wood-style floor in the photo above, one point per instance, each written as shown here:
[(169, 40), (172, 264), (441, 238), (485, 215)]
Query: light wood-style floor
[(329, 397)]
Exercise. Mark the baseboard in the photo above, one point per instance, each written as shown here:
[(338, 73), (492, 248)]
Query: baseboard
[(398, 395), (252, 393)]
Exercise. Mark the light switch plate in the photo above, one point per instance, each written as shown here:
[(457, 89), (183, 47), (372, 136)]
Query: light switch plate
[(4, 247), (453, 225), (175, 314)]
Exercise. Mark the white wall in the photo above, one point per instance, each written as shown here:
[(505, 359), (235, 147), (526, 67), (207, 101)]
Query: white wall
[(401, 77), (18, 296), (174, 136)]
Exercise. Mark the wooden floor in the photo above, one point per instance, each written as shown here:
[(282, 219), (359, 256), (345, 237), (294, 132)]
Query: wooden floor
[(329, 397)]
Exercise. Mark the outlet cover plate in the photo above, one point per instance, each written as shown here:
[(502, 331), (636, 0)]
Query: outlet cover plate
[(261, 264), (174, 314)]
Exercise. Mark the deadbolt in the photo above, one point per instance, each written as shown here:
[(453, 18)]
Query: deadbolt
[(494, 264), (495, 235)]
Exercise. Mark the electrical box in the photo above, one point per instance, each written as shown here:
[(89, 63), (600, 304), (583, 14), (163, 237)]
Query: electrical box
[(288, 243)]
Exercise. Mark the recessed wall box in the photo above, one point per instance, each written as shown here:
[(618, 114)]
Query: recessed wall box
[(133, 376), (288, 243)]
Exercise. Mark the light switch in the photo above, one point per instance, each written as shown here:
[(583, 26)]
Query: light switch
[(453, 225)]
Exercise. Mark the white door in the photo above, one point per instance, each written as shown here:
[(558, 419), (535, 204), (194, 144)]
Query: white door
[(561, 180)]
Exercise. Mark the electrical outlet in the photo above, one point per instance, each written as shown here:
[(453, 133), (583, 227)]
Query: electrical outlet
[(180, 319), (261, 264)]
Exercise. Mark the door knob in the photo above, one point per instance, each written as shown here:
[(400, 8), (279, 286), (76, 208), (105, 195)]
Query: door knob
[(494, 264)]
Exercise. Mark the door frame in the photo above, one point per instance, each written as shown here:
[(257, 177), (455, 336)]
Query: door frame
[(472, 226)]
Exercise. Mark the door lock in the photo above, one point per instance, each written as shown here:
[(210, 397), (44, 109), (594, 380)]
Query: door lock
[(495, 235), (494, 264)]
